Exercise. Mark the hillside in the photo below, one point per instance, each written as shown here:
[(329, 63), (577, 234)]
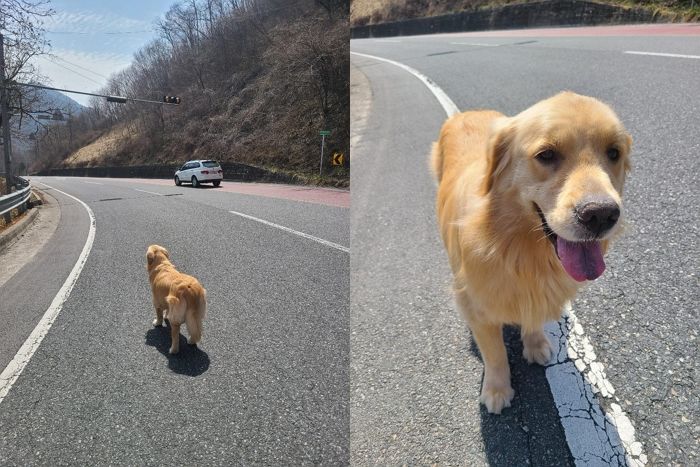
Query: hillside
[(47, 107), (257, 80), (364, 12)]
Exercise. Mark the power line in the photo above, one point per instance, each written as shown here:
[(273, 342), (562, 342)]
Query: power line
[(77, 73), (78, 66)]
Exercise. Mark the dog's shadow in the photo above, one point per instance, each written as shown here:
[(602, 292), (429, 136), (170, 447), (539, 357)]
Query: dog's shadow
[(190, 360), (530, 428)]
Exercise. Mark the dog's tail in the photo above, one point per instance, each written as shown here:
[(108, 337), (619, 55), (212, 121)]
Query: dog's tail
[(436, 158)]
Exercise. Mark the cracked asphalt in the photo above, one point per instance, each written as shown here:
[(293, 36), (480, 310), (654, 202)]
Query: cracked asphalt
[(414, 373)]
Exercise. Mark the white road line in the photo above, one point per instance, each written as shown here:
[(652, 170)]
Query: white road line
[(150, 192), (295, 232), (91, 183), (444, 100), (477, 44), (575, 377), (659, 54), (14, 369)]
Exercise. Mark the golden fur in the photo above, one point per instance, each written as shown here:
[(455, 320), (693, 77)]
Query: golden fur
[(506, 271), (181, 297)]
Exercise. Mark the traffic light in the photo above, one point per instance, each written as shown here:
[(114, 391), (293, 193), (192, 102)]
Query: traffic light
[(171, 100)]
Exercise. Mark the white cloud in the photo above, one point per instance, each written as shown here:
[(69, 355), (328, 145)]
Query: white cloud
[(90, 22)]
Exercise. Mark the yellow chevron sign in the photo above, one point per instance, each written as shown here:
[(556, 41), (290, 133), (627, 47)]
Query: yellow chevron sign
[(338, 158)]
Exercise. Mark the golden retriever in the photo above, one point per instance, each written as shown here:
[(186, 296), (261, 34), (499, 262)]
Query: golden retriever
[(181, 297), (527, 206)]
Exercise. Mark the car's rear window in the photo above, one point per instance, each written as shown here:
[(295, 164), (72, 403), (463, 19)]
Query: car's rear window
[(210, 164)]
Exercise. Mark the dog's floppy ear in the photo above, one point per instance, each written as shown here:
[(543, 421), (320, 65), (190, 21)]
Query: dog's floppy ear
[(149, 256), (166, 253), (500, 138)]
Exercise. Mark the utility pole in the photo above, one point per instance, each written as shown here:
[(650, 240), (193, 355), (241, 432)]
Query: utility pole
[(5, 115)]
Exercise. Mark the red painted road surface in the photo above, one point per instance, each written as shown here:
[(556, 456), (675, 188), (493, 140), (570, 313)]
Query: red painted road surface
[(327, 196), (676, 29)]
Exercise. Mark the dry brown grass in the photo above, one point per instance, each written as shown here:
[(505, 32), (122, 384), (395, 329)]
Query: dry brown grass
[(380, 11)]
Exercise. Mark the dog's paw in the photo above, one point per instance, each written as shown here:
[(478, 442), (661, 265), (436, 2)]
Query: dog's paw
[(173, 351), (537, 348), (158, 324), (191, 341), (496, 398)]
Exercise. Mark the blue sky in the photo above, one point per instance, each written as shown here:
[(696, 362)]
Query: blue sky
[(90, 40)]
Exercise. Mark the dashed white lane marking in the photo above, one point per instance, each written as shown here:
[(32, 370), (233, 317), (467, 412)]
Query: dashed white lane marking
[(149, 192), (93, 183), (476, 44), (444, 100), (295, 232), (14, 369), (659, 54), (594, 437)]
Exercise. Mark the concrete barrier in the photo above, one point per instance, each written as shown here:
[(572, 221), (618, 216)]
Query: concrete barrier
[(232, 171), (514, 16)]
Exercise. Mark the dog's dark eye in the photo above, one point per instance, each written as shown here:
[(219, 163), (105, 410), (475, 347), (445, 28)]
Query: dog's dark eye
[(613, 154), (547, 157)]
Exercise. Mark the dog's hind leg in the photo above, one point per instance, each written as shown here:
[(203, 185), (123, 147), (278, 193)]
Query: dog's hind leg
[(194, 327), (175, 336), (194, 321), (176, 310)]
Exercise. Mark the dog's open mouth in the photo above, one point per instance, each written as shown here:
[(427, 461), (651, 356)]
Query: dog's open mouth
[(582, 260)]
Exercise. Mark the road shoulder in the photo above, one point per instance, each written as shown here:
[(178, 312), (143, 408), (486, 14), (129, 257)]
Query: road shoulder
[(22, 241)]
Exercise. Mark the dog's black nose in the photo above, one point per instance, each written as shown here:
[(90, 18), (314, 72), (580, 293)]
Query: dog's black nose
[(597, 215)]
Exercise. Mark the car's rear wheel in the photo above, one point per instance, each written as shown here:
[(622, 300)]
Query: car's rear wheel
[(195, 182), (177, 181), (217, 183)]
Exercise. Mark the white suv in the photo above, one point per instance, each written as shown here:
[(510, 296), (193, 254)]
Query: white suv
[(197, 172)]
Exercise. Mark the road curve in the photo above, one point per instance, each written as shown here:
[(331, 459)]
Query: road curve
[(267, 385), (415, 374)]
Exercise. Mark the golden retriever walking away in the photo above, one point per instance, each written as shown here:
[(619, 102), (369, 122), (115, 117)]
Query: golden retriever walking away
[(181, 297), (527, 206)]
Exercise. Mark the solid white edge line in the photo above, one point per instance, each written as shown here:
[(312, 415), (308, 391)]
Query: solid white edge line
[(92, 183), (295, 232), (150, 192), (14, 369), (575, 376), (447, 104), (659, 54)]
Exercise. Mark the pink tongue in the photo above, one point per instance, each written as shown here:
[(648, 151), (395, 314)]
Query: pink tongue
[(582, 260)]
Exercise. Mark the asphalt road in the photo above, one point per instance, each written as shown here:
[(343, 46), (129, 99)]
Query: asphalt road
[(267, 385), (415, 374)]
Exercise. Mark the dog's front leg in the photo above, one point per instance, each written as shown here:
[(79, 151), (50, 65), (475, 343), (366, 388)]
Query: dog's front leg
[(536, 346), (496, 392), (175, 336)]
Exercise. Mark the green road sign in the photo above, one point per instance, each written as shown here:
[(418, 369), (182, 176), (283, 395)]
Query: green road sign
[(324, 132)]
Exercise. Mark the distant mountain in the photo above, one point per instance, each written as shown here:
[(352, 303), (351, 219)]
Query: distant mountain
[(51, 107)]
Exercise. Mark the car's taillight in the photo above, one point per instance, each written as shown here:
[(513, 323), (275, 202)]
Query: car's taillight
[(221, 171), (205, 171)]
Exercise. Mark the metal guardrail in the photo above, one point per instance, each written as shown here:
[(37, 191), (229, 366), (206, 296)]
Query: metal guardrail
[(16, 199)]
